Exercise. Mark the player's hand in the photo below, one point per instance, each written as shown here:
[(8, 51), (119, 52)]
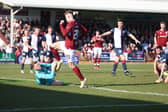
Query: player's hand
[(137, 42), (30, 47), (62, 22), (154, 46)]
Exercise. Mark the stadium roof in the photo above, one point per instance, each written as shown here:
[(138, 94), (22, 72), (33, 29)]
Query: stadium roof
[(152, 6)]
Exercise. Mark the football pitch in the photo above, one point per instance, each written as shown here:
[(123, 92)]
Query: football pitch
[(105, 93)]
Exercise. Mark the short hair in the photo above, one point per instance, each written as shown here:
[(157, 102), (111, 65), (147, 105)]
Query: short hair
[(159, 47), (68, 12), (50, 26), (163, 22), (120, 20)]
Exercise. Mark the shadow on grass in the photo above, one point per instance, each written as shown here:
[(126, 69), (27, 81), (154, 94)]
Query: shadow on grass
[(42, 100)]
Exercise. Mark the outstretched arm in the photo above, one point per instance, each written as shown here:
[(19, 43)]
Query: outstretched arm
[(134, 38), (105, 34), (84, 31)]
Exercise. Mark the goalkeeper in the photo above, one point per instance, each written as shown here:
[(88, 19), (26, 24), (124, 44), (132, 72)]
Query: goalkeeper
[(45, 73)]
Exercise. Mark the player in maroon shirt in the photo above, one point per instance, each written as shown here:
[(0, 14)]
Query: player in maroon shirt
[(97, 49), (73, 32), (161, 36)]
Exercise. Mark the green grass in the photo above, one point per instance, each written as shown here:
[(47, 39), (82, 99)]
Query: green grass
[(19, 91)]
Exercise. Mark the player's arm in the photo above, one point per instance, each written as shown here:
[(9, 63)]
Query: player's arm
[(66, 30), (44, 43), (93, 39), (106, 34), (84, 31), (155, 41), (155, 66), (26, 43), (134, 38)]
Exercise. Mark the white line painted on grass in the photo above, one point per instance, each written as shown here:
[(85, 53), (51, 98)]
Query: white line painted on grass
[(131, 92), (80, 107), (101, 88), (18, 79)]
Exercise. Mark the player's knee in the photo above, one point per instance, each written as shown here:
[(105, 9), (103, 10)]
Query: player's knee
[(71, 65), (116, 59), (122, 57)]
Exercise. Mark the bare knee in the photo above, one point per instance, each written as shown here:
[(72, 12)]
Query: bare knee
[(117, 59), (71, 65)]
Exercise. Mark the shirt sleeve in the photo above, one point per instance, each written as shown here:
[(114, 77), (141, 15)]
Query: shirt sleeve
[(66, 30), (112, 30), (29, 38), (127, 32), (163, 60), (84, 31)]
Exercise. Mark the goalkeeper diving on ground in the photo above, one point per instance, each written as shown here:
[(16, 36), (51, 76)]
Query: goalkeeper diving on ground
[(45, 73)]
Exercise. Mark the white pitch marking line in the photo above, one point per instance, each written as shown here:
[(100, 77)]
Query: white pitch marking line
[(131, 92), (80, 107), (102, 88)]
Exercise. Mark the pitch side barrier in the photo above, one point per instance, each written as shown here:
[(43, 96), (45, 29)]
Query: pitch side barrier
[(137, 56)]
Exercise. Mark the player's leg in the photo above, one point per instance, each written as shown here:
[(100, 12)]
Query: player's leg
[(99, 57), (158, 71), (95, 57), (116, 61), (35, 55), (115, 65), (42, 54), (54, 49), (48, 57), (70, 54), (31, 65), (166, 75), (24, 54), (30, 55), (159, 68), (124, 65)]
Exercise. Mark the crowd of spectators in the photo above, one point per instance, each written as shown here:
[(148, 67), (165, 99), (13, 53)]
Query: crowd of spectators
[(143, 33)]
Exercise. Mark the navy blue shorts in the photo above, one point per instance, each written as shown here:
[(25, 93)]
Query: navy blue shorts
[(29, 54), (119, 51), (38, 53)]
